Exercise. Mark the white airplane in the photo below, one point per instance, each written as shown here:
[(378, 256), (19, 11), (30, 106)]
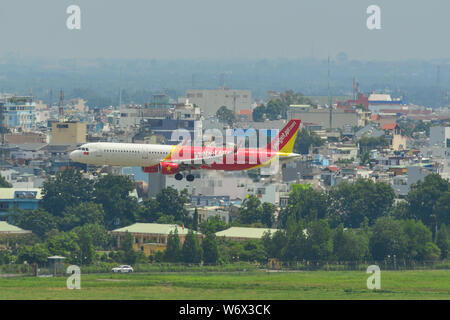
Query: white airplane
[(169, 159)]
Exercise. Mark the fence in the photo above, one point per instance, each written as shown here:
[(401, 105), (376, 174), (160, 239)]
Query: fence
[(390, 264), (237, 267)]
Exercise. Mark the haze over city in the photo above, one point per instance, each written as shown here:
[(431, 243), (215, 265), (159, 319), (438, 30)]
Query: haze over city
[(202, 29)]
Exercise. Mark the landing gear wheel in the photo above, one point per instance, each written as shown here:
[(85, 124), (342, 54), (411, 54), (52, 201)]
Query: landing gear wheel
[(178, 176), (190, 177)]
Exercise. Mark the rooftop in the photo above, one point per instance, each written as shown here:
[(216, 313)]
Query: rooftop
[(154, 228), (5, 227), (241, 232), (20, 193)]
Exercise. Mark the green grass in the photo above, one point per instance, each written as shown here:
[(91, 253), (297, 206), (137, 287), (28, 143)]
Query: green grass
[(431, 284)]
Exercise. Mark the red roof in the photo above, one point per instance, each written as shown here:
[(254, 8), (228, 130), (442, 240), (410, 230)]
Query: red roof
[(389, 126), (333, 168), (245, 112)]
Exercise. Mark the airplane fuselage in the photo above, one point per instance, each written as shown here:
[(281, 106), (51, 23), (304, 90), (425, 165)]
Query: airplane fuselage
[(174, 159), (148, 155)]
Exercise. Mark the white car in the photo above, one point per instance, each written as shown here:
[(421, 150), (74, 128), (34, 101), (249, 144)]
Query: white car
[(123, 269)]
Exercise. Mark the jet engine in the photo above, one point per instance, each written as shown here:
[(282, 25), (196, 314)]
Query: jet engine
[(168, 168)]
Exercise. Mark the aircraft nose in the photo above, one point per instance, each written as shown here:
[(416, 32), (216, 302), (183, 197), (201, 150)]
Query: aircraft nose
[(74, 155)]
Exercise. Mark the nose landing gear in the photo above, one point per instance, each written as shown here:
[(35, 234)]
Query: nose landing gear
[(190, 177)]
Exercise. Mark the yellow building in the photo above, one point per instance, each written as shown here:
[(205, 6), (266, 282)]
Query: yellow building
[(68, 133), (150, 237)]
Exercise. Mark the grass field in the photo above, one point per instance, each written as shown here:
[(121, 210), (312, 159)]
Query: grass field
[(431, 284)]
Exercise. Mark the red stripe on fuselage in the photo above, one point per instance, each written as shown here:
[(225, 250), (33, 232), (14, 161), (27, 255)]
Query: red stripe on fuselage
[(243, 159)]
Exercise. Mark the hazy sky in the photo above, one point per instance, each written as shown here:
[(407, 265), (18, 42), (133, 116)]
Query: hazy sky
[(226, 29)]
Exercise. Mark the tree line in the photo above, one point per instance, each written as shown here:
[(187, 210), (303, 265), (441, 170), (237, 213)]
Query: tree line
[(352, 221)]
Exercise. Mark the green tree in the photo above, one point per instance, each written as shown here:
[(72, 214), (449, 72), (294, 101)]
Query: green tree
[(38, 221), (36, 254), (348, 245), (4, 183), (113, 193), (319, 242), (429, 200), (101, 239), (367, 143), (305, 140), (87, 252), (253, 250), (418, 237), (5, 257), (126, 246), (442, 209), (365, 158), (305, 203), (277, 108), (171, 202), (225, 115), (195, 220), (149, 211), (351, 202), (250, 211), (80, 214), (191, 251), (65, 244), (274, 243), (267, 214), (443, 241), (388, 239), (173, 248), (296, 245), (67, 188), (399, 210), (258, 113), (213, 225), (432, 252), (210, 249)]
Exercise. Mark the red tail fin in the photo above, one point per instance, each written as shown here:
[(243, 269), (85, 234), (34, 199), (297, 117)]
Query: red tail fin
[(286, 138)]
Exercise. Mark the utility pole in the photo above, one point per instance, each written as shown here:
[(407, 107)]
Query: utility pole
[(61, 108), (438, 86), (330, 99), (120, 88)]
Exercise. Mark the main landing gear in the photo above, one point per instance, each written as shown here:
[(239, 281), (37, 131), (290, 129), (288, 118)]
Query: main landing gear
[(189, 177)]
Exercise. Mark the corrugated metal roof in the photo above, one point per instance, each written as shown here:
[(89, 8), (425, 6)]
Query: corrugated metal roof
[(5, 227), (155, 228), (241, 232)]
